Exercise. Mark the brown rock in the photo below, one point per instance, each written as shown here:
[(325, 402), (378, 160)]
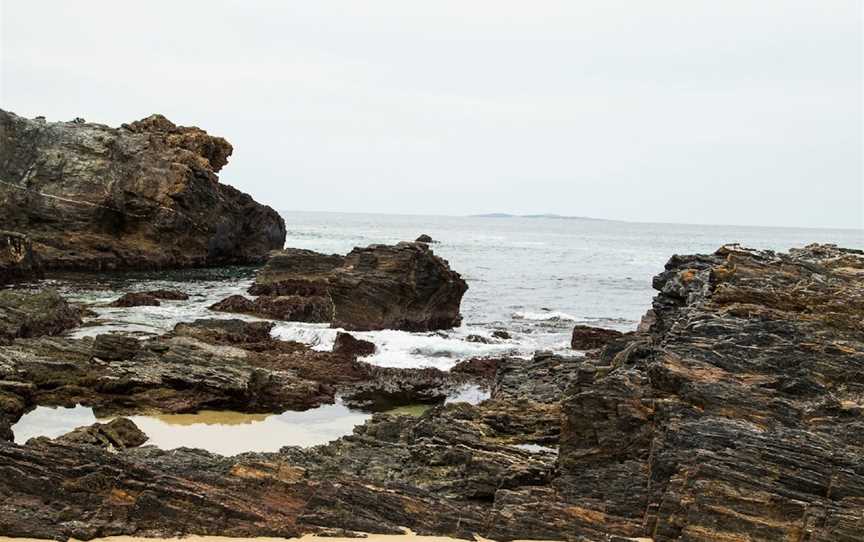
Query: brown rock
[(28, 314), (284, 307), (17, 259), (120, 434), (142, 196), (135, 299), (589, 338), (348, 345)]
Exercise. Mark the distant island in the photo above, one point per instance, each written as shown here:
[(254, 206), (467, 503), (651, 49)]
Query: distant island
[(546, 215)]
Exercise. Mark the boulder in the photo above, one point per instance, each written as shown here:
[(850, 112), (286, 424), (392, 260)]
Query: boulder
[(142, 196), (403, 286), (119, 434), (33, 314), (425, 239), (589, 338), (135, 299), (168, 295), (347, 344), (17, 259), (293, 308)]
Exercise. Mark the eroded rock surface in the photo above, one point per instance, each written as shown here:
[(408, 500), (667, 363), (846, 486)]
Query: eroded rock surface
[(33, 314), (142, 196), (589, 338), (403, 286), (17, 259), (736, 416)]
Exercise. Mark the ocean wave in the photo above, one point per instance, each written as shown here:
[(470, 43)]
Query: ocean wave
[(554, 316)]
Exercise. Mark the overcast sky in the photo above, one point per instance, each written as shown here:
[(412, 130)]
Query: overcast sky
[(724, 112)]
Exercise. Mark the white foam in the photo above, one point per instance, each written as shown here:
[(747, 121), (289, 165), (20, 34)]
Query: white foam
[(544, 316)]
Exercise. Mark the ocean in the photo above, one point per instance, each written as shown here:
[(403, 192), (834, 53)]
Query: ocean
[(532, 277)]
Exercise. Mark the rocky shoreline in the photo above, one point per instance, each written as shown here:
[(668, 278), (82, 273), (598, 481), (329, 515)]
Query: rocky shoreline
[(735, 413)]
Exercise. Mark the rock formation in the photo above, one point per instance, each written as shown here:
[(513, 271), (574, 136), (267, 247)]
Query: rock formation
[(404, 286), (17, 259), (142, 196), (33, 314), (736, 416), (589, 338)]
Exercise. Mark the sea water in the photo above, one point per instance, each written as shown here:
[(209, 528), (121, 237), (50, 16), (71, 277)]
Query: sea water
[(532, 277)]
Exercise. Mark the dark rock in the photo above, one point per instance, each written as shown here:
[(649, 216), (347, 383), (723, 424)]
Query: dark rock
[(231, 332), (168, 295), (26, 314), (477, 339), (425, 239), (293, 308), (396, 287), (136, 299), (17, 259), (501, 334), (482, 368), (719, 424), (589, 338), (295, 271), (378, 287), (120, 433), (114, 347), (351, 346), (142, 196)]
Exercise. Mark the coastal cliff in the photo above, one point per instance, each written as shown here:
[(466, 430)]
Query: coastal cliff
[(736, 416), (143, 196)]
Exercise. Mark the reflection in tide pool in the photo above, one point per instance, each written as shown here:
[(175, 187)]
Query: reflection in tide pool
[(222, 432), (230, 433)]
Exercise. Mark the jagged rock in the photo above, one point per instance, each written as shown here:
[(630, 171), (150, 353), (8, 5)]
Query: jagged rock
[(120, 433), (478, 339), (589, 338), (142, 196), (501, 334), (28, 314), (17, 259), (425, 239), (737, 416), (135, 299), (295, 271), (396, 287), (347, 344), (293, 308), (404, 286)]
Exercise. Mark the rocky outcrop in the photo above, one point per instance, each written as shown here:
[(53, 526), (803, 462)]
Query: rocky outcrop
[(404, 286), (347, 344), (293, 308), (33, 314), (589, 338), (295, 271), (738, 416), (142, 196), (396, 287), (118, 434), (135, 299), (735, 416), (17, 259), (425, 239)]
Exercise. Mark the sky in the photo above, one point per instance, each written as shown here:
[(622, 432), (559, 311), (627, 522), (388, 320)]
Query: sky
[(690, 111)]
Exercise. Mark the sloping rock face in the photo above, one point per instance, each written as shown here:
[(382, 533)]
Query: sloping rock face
[(17, 259), (403, 286), (740, 416), (142, 196)]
